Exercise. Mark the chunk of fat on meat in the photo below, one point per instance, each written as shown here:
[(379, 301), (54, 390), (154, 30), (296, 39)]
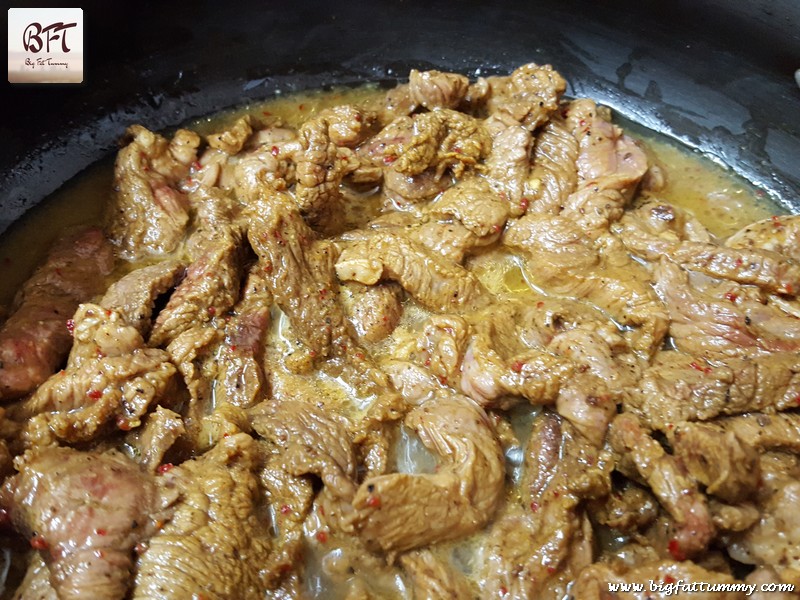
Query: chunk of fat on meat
[(564, 261), (528, 96), (148, 214), (217, 542), (779, 234), (678, 387), (593, 582), (437, 89), (708, 323), (432, 577), (398, 511), (432, 281), (667, 477), (212, 281), (35, 339), (85, 511), (134, 295)]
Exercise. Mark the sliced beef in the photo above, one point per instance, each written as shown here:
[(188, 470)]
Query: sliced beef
[(241, 380), (630, 508), (667, 477), (233, 139), (373, 310), (268, 166), (766, 431), (473, 204), (778, 234), (134, 295), (98, 332), (433, 578), (678, 387), (528, 96), (508, 167), (85, 512), (149, 214), (555, 158), (149, 444), (217, 540), (564, 261), (212, 281), (401, 511), (433, 282), (654, 228), (435, 89), (35, 339)]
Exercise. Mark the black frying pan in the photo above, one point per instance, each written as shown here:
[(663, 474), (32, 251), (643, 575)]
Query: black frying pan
[(717, 75)]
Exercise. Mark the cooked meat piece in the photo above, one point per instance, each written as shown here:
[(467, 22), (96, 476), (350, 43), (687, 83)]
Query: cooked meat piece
[(299, 273), (134, 296), (36, 584), (442, 140), (433, 578), (765, 576), (595, 582), (564, 261), (414, 383), (738, 517), (775, 538), (777, 234), (85, 512), (555, 156), (35, 339), (232, 140), (585, 402), (312, 441), (150, 443), (217, 541), (766, 432), (76, 405), (629, 509), (149, 214), (99, 332), (718, 459), (397, 103), (211, 285), (709, 325), (434, 89), (402, 189), (433, 282), (269, 166), (401, 511), (191, 352), (241, 380), (529, 95), (667, 478), (680, 388), (373, 310), (508, 167), (654, 230), (474, 204)]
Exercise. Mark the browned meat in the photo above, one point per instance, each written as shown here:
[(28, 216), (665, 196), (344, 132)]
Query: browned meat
[(433, 282), (670, 483), (433, 578), (766, 432), (269, 166), (554, 166), (473, 204), (680, 388), (401, 511), (718, 459), (232, 140), (134, 295), (527, 96), (564, 261), (150, 443), (654, 228), (217, 541), (240, 379), (629, 509), (99, 332), (434, 89), (594, 582), (299, 273), (373, 310), (710, 323), (85, 512), (149, 214), (35, 339), (778, 234), (211, 285), (508, 167)]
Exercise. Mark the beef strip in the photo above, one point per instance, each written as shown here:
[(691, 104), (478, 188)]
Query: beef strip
[(765, 431), (149, 444), (134, 295), (99, 332), (211, 285), (435, 89), (373, 310), (433, 578), (508, 167), (678, 387), (555, 156), (433, 282), (35, 339), (269, 165), (473, 204), (232, 140), (528, 96), (669, 481), (217, 541), (149, 214), (630, 508), (778, 234), (400, 511), (85, 512), (564, 261)]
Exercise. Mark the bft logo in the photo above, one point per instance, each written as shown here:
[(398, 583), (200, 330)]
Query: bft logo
[(32, 36), (45, 45)]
